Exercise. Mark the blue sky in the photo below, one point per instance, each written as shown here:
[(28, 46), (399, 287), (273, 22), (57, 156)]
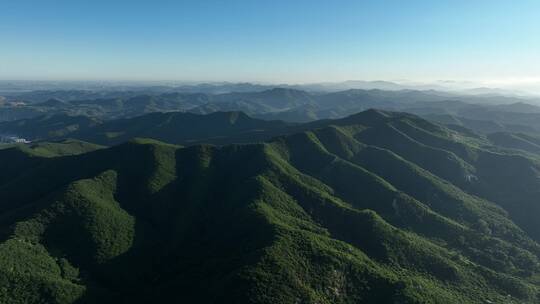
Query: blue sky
[(270, 41)]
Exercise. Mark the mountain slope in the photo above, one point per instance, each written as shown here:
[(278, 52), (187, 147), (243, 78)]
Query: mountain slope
[(518, 141), (460, 157), (47, 126), (315, 216), (184, 128)]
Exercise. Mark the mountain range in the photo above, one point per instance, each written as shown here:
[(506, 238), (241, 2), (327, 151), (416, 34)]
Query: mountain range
[(481, 113), (375, 207)]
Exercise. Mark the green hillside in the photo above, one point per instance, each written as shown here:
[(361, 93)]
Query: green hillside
[(47, 126), (50, 148), (519, 141), (379, 207)]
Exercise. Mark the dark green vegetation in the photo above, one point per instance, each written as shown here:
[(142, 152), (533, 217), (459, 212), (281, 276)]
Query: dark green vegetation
[(50, 149), (47, 126), (519, 141), (185, 129), (173, 127), (378, 207)]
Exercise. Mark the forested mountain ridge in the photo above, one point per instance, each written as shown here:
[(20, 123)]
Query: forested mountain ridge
[(377, 207)]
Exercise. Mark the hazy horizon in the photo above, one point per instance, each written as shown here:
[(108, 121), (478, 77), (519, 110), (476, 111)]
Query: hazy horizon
[(506, 87)]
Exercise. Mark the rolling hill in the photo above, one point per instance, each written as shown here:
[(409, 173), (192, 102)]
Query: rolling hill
[(47, 126), (184, 128)]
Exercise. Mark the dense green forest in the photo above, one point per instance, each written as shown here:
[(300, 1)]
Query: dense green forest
[(377, 207)]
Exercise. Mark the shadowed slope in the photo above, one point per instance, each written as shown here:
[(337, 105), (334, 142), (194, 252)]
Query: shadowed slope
[(306, 218)]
